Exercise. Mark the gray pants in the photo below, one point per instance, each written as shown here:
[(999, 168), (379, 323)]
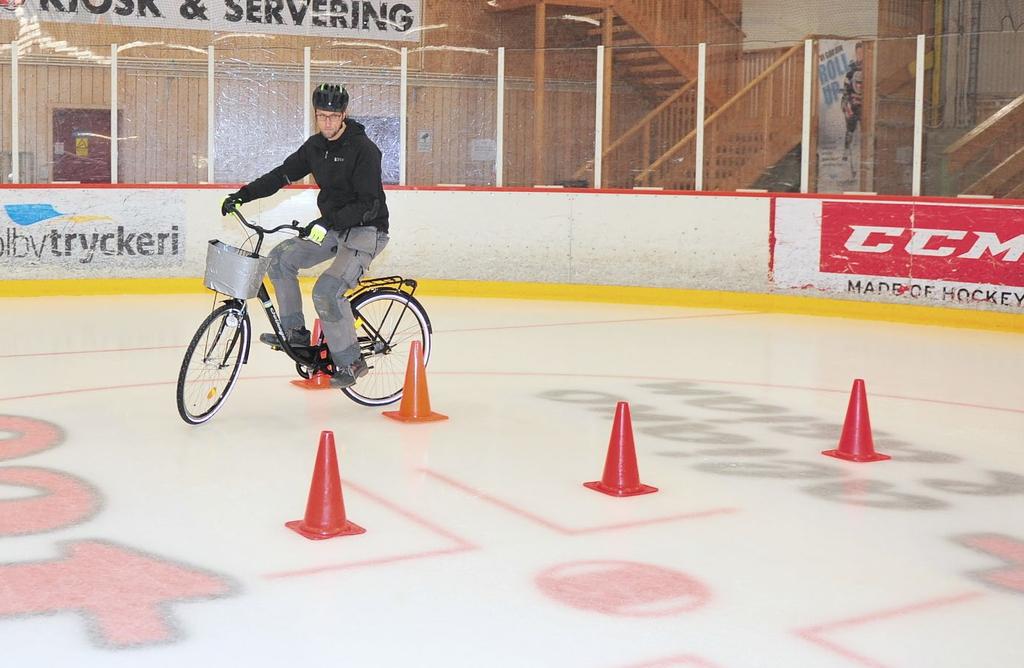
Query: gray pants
[(352, 251)]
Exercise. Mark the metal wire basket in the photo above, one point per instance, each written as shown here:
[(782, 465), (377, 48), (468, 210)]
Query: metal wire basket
[(233, 271)]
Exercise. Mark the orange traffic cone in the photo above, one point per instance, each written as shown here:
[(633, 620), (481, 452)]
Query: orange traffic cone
[(621, 477), (415, 406), (319, 380), (325, 510), (855, 443)]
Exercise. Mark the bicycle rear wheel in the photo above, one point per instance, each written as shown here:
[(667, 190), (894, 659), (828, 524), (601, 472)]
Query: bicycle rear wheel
[(212, 362), (387, 322)]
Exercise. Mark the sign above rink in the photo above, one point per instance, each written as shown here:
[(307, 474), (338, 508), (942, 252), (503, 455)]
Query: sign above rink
[(373, 20)]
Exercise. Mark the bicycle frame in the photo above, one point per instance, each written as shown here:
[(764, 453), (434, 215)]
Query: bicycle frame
[(316, 361), (396, 283)]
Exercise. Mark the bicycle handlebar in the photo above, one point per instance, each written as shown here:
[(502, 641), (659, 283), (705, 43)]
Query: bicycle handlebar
[(294, 225)]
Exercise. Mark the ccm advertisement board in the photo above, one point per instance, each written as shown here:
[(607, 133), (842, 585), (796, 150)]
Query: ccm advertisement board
[(928, 252)]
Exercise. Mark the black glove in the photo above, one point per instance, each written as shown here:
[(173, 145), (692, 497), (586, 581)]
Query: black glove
[(231, 202), (315, 231)]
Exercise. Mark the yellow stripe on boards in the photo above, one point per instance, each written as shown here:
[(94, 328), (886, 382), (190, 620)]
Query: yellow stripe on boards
[(740, 301), (79, 287)]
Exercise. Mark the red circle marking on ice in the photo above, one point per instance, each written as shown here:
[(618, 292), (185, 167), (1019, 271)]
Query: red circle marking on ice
[(64, 500), (623, 588), (22, 436)]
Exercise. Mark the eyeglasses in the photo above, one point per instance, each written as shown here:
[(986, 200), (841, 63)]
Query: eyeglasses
[(329, 117)]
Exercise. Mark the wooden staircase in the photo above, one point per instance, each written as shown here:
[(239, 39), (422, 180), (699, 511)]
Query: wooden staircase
[(989, 160), (752, 131), (752, 101), (636, 60), (655, 41), (655, 44)]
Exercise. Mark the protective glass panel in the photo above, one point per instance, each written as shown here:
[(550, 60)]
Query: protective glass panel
[(519, 118), (259, 108), (372, 75), (753, 124), (63, 112), (886, 126), (452, 119), (565, 152), (974, 116), (549, 137), (650, 133), (841, 123), (162, 113), (550, 98)]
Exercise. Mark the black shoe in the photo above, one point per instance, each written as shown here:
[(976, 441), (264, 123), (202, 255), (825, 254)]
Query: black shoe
[(346, 376), (298, 336)]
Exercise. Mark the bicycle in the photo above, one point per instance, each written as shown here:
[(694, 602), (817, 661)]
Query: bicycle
[(388, 319)]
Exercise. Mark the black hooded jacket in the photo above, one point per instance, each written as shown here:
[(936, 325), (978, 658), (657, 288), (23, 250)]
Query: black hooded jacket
[(347, 171)]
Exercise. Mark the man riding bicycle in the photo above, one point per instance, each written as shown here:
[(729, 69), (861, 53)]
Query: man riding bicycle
[(352, 228)]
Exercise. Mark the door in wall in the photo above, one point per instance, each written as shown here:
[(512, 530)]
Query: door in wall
[(81, 145)]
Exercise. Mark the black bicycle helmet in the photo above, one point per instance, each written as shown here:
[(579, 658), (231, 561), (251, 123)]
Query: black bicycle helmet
[(330, 97)]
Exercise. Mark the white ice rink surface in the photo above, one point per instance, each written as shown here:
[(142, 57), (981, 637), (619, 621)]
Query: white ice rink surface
[(128, 538)]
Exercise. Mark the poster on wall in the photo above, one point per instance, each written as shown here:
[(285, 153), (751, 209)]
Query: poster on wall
[(84, 233), (360, 19), (841, 88), (938, 253)]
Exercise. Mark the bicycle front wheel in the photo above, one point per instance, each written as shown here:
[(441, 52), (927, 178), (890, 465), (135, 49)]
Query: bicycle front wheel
[(212, 362), (387, 322)]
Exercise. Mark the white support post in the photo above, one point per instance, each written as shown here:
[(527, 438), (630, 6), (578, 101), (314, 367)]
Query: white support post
[(918, 116), (114, 131), (403, 116), (805, 138), (499, 140), (698, 166), (307, 91), (15, 144), (307, 96), (211, 114), (599, 117)]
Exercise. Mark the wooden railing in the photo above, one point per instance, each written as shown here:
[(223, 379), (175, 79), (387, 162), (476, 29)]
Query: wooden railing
[(745, 136), (971, 145), (1003, 180), (988, 160), (655, 133), (757, 61), (647, 138)]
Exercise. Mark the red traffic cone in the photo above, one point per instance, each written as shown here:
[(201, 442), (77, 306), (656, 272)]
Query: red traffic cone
[(325, 510), (856, 444), (415, 406), (621, 477), (319, 380)]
